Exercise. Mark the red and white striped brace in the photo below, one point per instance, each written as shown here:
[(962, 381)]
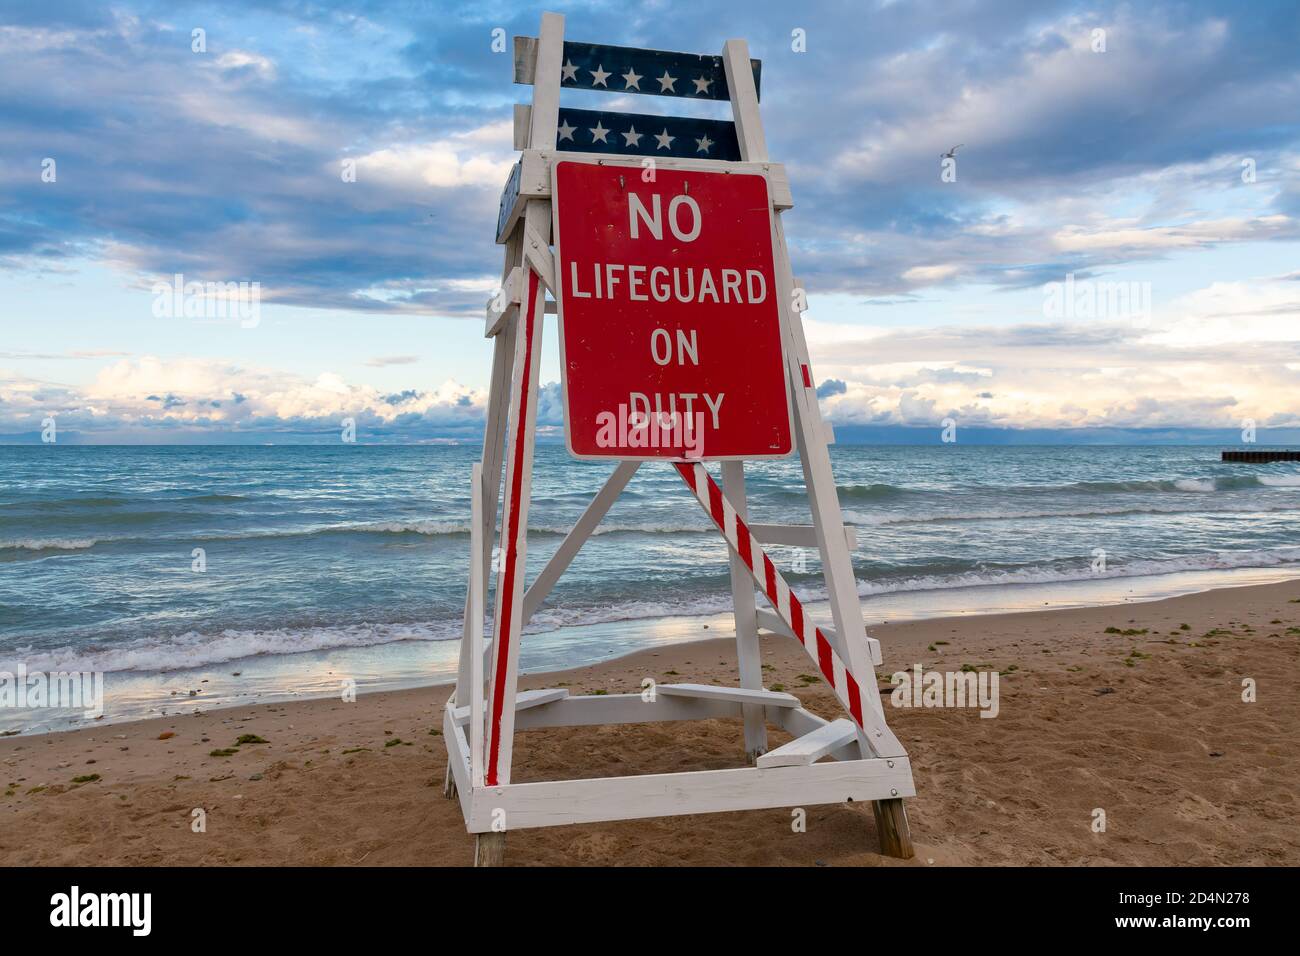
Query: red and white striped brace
[(773, 586)]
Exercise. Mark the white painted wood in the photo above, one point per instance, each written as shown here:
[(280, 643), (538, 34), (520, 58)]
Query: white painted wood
[(535, 174), (562, 802), (748, 654), (577, 537), (523, 701), (458, 764), (827, 518), (797, 535), (537, 253), (527, 238), (507, 300), (771, 621), (850, 637), (525, 57), (477, 608), (598, 709), (744, 101), (546, 82), (829, 432), (463, 684), (811, 747), (494, 438), (523, 126), (523, 402), (799, 722), (741, 695), (537, 223)]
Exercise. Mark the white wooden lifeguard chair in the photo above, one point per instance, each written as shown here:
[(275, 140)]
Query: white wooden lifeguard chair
[(864, 760)]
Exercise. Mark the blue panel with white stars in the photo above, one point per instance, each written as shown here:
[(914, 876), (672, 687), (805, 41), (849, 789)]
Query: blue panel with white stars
[(625, 69), (637, 134)]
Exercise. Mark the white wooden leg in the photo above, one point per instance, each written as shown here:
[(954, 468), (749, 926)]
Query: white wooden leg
[(506, 622), (742, 594)]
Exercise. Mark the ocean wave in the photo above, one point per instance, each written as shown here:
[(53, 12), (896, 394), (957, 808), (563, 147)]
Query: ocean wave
[(1193, 507), (49, 544), (423, 528), (554, 618), (1053, 574), (872, 492), (432, 528), (1189, 485), (199, 649), (196, 649)]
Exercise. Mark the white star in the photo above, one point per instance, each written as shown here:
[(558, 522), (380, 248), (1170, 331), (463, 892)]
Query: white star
[(666, 83), (598, 134), (665, 141), (598, 76), (704, 144), (633, 137), (631, 79), (568, 71), (567, 131), (702, 85)]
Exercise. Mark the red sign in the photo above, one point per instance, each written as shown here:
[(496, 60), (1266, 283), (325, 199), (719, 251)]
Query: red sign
[(670, 329)]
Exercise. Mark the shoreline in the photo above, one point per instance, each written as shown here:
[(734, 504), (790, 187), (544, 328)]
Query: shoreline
[(1145, 721), (131, 696)]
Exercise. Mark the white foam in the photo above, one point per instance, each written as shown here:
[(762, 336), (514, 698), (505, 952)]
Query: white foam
[(49, 544), (1217, 561), (194, 649), (1190, 506)]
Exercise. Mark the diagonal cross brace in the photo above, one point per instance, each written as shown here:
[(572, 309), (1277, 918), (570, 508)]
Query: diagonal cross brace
[(790, 609)]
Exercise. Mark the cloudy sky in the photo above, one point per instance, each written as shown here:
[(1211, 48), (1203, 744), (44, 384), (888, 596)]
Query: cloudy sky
[(1149, 150)]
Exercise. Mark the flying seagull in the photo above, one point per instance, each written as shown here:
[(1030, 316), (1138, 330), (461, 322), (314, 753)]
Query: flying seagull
[(952, 153)]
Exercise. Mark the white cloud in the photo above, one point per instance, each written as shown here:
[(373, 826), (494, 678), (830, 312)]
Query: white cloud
[(1213, 357), (931, 274), (221, 396), (244, 59), (478, 157), (1075, 238)]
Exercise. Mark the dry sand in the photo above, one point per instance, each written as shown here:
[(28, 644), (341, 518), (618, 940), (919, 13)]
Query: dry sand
[(1150, 727)]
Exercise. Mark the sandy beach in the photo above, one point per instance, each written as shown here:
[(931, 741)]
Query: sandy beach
[(1135, 709)]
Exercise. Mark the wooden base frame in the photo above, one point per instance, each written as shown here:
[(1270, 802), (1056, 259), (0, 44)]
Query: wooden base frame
[(848, 777), (828, 761)]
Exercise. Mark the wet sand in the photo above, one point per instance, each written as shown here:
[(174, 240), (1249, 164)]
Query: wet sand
[(1149, 726)]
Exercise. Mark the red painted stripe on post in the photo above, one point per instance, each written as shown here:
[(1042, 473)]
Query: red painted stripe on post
[(807, 376), (687, 472), (512, 537), (742, 544), (796, 617), (855, 697), (820, 649), (715, 504), (824, 660)]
